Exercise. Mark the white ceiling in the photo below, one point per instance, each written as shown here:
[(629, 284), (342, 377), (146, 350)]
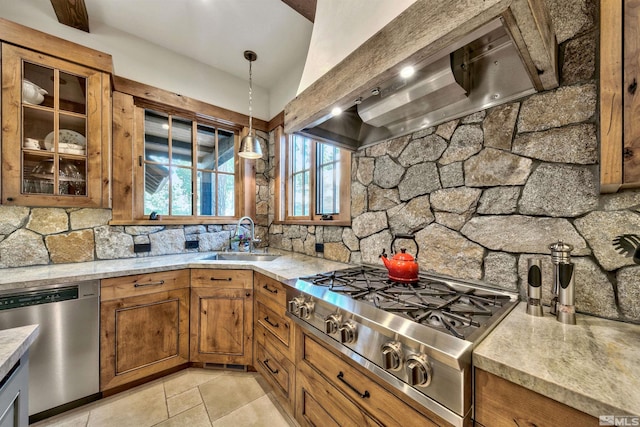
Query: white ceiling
[(216, 32)]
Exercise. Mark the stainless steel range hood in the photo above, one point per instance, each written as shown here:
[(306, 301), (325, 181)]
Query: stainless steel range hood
[(461, 68)]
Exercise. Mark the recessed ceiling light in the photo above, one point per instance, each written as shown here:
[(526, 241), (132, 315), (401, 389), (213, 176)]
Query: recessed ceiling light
[(407, 72), (336, 111), (165, 126)]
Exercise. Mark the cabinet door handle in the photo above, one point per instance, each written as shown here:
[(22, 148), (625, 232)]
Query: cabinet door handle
[(273, 291), (141, 285), (362, 395), (215, 279), (266, 363), (275, 325)]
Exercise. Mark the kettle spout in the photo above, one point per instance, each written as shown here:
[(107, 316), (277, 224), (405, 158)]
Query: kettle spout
[(385, 260)]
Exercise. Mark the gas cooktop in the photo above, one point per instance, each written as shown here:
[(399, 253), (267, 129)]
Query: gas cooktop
[(417, 337), (453, 307)]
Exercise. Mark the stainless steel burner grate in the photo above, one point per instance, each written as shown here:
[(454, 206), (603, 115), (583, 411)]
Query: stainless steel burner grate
[(429, 301)]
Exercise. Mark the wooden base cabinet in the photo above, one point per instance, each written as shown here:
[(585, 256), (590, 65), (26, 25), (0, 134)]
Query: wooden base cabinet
[(274, 339), (331, 390), (501, 403), (144, 326), (222, 316)]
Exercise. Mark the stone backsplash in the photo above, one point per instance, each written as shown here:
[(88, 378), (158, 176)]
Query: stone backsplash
[(33, 236), (485, 193)]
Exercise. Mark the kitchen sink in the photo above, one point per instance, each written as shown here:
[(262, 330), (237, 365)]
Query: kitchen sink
[(240, 257)]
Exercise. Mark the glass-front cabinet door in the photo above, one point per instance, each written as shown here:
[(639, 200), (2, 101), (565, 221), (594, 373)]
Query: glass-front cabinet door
[(53, 133)]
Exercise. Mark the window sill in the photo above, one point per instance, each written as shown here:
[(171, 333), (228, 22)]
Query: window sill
[(338, 223), (175, 221)]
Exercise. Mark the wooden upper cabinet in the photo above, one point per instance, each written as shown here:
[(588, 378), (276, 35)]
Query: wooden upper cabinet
[(619, 107), (55, 131)]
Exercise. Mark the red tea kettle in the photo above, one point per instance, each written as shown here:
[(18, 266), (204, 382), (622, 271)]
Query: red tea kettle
[(402, 267)]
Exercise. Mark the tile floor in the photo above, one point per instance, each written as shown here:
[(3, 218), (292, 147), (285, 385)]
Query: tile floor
[(193, 398)]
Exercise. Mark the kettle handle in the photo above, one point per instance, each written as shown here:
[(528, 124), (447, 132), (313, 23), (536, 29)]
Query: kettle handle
[(406, 236)]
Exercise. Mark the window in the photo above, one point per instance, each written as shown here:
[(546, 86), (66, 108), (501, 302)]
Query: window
[(189, 167), (316, 183)]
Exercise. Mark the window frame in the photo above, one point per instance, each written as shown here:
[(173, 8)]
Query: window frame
[(139, 166), (284, 184)]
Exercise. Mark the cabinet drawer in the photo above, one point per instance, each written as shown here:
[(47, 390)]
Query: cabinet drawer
[(318, 403), (271, 290), (274, 323), (142, 284), (276, 368), (374, 398), (269, 340), (206, 278)]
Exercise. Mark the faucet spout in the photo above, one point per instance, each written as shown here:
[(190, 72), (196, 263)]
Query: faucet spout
[(253, 230)]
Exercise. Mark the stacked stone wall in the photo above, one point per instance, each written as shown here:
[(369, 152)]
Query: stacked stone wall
[(486, 192)]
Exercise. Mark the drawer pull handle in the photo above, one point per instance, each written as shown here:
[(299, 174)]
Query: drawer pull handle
[(266, 363), (141, 285), (273, 291), (275, 325), (215, 279), (362, 395)]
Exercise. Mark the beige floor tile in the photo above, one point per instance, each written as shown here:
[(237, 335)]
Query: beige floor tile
[(183, 401), (187, 379), (227, 393), (65, 420), (141, 409), (194, 417), (260, 412)]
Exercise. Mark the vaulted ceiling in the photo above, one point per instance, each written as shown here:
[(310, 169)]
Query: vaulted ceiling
[(214, 32)]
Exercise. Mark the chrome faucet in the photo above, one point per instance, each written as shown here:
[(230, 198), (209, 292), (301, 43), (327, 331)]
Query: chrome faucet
[(252, 240)]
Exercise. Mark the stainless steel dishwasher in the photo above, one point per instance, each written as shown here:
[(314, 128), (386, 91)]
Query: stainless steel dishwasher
[(64, 359)]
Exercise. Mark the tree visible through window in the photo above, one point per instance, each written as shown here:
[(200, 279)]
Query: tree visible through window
[(175, 159), (317, 184)]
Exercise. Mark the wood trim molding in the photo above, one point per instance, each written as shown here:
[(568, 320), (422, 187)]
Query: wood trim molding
[(423, 30), (38, 41), (278, 120), (72, 13), (165, 97), (611, 65)]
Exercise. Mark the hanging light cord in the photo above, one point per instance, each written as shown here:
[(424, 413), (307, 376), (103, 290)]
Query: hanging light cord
[(250, 97)]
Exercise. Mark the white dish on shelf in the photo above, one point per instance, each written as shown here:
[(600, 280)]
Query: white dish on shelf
[(78, 151), (32, 93), (31, 144), (65, 136)]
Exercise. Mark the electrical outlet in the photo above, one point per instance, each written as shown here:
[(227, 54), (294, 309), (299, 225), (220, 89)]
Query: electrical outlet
[(319, 247), (191, 244), (141, 247)]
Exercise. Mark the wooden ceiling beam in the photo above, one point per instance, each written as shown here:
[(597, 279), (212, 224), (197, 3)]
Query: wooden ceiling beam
[(72, 13), (306, 8)]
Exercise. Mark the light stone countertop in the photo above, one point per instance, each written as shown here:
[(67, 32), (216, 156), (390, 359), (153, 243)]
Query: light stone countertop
[(288, 266), (13, 344), (593, 366)]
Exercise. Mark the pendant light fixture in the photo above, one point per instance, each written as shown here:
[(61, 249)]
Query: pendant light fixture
[(250, 144)]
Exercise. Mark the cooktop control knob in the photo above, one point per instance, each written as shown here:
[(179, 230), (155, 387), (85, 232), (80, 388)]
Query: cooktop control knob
[(419, 371), (392, 356), (306, 309), (348, 332), (295, 303), (332, 323)]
